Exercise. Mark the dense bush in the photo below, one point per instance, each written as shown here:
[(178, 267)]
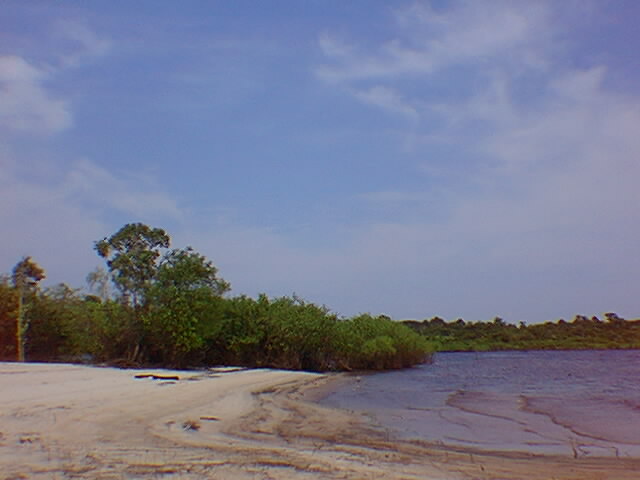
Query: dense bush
[(581, 333), (367, 342), (194, 327), (171, 311), (8, 318), (290, 333)]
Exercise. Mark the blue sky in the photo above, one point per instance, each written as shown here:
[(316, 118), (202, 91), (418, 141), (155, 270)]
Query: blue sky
[(453, 158)]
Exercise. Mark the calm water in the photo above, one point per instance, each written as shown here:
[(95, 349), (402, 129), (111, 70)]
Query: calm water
[(574, 403)]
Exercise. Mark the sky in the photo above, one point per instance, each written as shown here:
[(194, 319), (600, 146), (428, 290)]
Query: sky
[(410, 158)]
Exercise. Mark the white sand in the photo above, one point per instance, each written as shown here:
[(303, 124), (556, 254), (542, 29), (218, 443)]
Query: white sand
[(67, 421)]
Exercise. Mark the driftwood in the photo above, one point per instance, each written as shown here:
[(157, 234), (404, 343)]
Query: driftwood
[(157, 377)]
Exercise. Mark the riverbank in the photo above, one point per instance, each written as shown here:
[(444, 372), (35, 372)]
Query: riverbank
[(63, 421)]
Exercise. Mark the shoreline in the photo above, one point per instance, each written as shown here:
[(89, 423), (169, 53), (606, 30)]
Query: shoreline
[(62, 421)]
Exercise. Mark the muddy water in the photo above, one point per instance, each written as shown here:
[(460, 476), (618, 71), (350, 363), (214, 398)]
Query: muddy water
[(579, 404)]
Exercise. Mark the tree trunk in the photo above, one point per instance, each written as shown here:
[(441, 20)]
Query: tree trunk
[(20, 329), (133, 357)]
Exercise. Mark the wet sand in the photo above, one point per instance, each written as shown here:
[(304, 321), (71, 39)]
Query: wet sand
[(66, 421)]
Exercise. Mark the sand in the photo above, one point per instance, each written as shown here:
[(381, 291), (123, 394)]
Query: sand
[(68, 421)]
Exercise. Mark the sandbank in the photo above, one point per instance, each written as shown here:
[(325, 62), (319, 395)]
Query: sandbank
[(69, 421)]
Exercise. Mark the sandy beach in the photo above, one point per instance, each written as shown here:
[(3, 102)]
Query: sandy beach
[(68, 421)]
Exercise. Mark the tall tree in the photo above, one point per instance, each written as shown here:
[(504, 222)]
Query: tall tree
[(183, 305), (26, 275), (186, 269), (132, 258), (132, 254)]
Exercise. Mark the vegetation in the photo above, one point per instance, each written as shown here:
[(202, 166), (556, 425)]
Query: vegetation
[(169, 309), (580, 334), (26, 275)]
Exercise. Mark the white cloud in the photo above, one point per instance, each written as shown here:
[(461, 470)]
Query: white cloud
[(532, 215), (54, 208), (467, 32), (25, 103), (429, 41), (57, 221), (28, 104), (40, 221), (387, 99), (333, 47), (579, 85), (541, 196), (133, 195), (84, 43)]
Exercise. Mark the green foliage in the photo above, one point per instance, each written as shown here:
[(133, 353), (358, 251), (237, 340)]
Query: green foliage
[(172, 312), (8, 319), (183, 303), (582, 333), (184, 327), (185, 269), (298, 335), (281, 333), (377, 343), (181, 319), (108, 330), (49, 318), (293, 334), (66, 326), (131, 254)]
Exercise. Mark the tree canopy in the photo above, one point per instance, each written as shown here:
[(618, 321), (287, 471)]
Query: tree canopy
[(26, 274), (131, 254)]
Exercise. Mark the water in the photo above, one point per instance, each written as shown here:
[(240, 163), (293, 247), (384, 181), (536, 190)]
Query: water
[(579, 403)]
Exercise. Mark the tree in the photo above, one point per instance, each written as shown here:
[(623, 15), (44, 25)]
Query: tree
[(98, 281), (183, 301), (8, 318), (26, 275), (186, 269), (131, 254)]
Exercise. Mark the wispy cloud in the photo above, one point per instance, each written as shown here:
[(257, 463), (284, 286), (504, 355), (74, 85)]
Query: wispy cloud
[(428, 41), (59, 220), (53, 207), (387, 99), (333, 47), (25, 103), (82, 42), (132, 195), (510, 192), (41, 221), (546, 155)]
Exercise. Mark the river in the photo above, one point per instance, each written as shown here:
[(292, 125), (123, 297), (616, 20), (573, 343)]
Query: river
[(577, 403)]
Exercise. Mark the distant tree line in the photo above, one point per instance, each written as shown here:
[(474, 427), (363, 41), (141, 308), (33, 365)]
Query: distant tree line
[(612, 332), (154, 305)]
